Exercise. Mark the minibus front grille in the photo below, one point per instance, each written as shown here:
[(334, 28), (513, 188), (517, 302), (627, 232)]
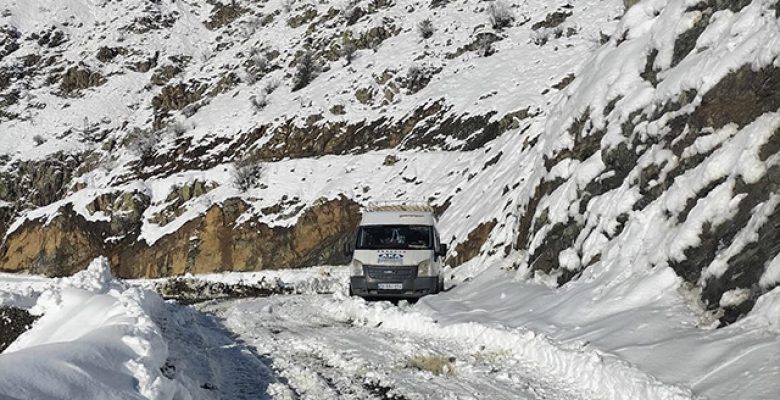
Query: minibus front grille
[(390, 272)]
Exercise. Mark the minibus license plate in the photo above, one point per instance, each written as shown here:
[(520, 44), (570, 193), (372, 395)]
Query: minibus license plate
[(391, 286)]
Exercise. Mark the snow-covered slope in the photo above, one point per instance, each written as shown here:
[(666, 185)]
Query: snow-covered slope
[(151, 108), (668, 159), (571, 141)]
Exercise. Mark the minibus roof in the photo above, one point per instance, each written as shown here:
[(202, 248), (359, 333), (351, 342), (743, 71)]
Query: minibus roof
[(398, 218)]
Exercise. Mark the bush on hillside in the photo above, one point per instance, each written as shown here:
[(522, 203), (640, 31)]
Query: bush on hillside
[(425, 27), (353, 12), (417, 78), (305, 72), (247, 174), (485, 47), (348, 50), (500, 15), (259, 101), (143, 142)]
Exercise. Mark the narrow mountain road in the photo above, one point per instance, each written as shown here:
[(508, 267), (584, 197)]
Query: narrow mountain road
[(314, 352)]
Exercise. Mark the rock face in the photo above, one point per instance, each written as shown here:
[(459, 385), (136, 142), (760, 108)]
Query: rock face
[(39, 182), (740, 97), (13, 322), (470, 248), (223, 15), (76, 79), (213, 242), (430, 126), (66, 243), (216, 243), (60, 248), (651, 155)]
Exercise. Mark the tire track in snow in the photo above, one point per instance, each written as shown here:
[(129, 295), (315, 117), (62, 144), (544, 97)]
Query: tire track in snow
[(303, 371), (322, 356), (571, 367), (208, 360)]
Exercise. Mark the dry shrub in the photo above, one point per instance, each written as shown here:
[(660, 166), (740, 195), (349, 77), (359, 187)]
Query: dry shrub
[(436, 364)]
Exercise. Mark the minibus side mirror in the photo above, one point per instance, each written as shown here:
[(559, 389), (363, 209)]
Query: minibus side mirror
[(443, 250), (348, 249)]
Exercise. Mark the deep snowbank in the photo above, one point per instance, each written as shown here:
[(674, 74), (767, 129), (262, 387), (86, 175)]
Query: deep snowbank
[(651, 319), (96, 339)]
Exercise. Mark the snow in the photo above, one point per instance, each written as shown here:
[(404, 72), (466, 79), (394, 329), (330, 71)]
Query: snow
[(462, 82), (628, 327), (734, 297), (771, 274), (322, 354), (591, 370), (512, 79), (766, 312), (646, 341), (95, 339), (569, 259), (650, 323), (20, 290), (515, 78), (747, 235), (598, 337)]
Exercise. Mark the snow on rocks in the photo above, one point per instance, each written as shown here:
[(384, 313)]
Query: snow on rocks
[(196, 288), (648, 164), (13, 322), (95, 339), (512, 85), (760, 216), (771, 275)]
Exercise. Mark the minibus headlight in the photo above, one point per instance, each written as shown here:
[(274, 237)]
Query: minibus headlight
[(356, 268), (425, 268)]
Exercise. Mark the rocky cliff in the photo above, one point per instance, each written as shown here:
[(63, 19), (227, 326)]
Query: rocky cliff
[(567, 140), (671, 162)]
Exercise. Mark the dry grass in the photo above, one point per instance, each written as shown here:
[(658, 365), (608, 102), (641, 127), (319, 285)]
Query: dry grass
[(438, 365)]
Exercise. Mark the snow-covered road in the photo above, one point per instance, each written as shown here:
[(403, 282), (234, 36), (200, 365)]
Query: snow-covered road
[(320, 354), (491, 339)]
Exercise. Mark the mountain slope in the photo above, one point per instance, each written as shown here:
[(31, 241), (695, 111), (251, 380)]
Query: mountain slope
[(685, 173), (581, 142), (154, 127)]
